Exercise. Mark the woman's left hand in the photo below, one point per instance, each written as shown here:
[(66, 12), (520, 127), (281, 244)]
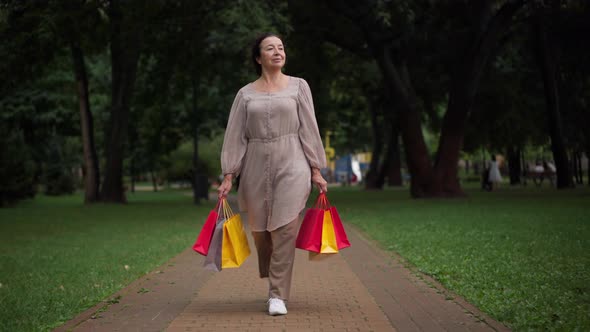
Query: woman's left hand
[(318, 180)]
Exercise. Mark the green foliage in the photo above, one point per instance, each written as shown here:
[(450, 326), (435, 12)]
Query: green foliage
[(59, 166), (45, 105), (195, 56), (17, 171), (180, 161), (210, 154), (510, 109), (59, 258)]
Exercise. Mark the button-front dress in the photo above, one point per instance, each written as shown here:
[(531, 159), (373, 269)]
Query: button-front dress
[(272, 141)]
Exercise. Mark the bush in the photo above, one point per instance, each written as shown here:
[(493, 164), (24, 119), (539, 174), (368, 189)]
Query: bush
[(180, 161), (17, 169), (58, 175)]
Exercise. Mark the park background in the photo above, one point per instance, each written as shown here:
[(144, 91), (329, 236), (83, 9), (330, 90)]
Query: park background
[(113, 114)]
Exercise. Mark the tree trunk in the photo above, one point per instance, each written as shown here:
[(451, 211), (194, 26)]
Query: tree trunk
[(463, 91), (417, 156), (514, 167), (546, 57), (391, 167), (581, 172), (574, 167), (125, 44), (154, 180), (371, 178), (394, 173), (91, 168)]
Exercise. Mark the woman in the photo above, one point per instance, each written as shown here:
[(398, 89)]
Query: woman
[(272, 141), (494, 176)]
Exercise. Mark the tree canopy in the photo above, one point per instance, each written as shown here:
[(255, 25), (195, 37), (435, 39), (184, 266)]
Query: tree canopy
[(132, 84)]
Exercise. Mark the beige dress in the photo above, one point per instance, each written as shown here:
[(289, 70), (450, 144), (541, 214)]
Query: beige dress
[(271, 141)]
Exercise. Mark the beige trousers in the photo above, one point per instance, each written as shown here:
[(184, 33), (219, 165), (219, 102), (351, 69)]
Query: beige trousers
[(276, 255)]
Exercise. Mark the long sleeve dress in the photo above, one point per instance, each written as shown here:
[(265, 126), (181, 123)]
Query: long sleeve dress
[(494, 175), (272, 141)]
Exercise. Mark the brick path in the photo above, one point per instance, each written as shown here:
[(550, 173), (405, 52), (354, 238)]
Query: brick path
[(325, 296), (361, 289)]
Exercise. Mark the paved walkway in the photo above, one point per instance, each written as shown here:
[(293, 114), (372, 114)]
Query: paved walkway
[(361, 289)]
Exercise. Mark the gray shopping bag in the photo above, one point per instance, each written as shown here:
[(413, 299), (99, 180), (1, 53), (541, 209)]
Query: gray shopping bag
[(213, 258)]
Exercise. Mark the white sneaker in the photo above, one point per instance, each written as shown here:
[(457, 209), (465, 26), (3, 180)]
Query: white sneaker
[(276, 307)]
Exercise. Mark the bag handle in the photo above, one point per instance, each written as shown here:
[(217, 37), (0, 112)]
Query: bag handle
[(219, 207), (322, 202), (227, 211)]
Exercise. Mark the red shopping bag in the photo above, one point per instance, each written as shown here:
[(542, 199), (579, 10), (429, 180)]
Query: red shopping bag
[(321, 216), (310, 233), (341, 238), (204, 239)]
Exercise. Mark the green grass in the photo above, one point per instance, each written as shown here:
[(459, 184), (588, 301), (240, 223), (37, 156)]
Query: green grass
[(520, 255), (59, 257)]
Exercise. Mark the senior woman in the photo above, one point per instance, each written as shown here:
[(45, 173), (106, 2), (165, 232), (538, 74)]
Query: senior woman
[(272, 141)]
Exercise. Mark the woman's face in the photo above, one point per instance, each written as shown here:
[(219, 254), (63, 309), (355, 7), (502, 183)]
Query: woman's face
[(272, 54)]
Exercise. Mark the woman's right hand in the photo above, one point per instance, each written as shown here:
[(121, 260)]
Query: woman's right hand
[(225, 186)]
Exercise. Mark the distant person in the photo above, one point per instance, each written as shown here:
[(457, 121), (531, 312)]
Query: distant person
[(539, 168), (494, 176), (549, 171), (550, 167), (485, 179), (272, 141)]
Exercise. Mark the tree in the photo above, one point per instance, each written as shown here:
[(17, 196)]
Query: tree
[(56, 25), (17, 170), (58, 177), (391, 32), (190, 69), (127, 24), (81, 23), (546, 51)]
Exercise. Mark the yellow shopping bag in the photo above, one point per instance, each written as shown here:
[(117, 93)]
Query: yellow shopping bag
[(329, 245), (235, 248)]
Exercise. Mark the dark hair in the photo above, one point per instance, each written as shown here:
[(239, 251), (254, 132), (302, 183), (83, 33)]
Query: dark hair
[(256, 49)]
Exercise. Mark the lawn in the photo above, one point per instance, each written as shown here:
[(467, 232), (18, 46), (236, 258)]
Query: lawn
[(59, 257), (522, 255)]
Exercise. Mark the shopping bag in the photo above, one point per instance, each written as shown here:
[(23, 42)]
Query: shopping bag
[(204, 239), (213, 258), (235, 248), (310, 233), (322, 230), (341, 238), (329, 245)]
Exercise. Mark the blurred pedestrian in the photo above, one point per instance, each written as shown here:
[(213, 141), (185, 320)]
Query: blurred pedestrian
[(494, 176)]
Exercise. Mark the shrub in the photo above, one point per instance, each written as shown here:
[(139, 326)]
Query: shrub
[(17, 169), (58, 176), (180, 161)]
